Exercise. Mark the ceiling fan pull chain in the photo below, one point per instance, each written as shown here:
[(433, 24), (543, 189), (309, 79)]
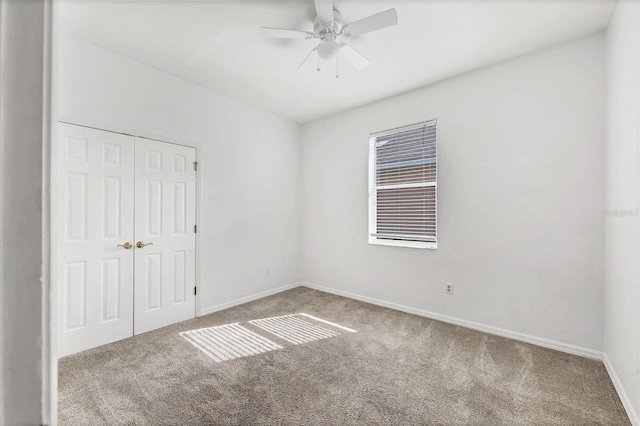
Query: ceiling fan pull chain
[(337, 67), (318, 69), (306, 57)]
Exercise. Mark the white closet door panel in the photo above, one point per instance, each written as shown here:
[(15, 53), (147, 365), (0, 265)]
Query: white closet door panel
[(165, 213), (95, 197)]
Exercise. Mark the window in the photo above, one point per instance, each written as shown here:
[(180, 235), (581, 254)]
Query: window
[(402, 186)]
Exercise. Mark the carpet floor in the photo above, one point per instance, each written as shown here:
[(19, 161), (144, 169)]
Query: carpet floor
[(396, 369)]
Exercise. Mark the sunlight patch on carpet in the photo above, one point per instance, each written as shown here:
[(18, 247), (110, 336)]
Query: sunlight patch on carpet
[(333, 324), (294, 329), (229, 341)]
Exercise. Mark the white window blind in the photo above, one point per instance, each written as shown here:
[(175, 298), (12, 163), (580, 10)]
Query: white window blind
[(403, 186)]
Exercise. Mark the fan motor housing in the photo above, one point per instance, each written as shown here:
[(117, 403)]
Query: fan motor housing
[(332, 30)]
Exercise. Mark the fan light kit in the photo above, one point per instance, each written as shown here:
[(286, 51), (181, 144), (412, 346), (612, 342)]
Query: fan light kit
[(328, 26)]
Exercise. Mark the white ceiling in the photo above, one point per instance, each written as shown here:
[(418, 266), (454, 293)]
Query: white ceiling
[(217, 44)]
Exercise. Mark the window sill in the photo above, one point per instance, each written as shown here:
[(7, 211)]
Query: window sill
[(401, 243)]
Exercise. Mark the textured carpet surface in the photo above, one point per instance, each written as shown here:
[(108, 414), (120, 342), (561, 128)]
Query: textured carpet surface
[(398, 369)]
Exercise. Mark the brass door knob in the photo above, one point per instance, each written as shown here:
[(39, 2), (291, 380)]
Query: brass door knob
[(140, 244), (126, 245)]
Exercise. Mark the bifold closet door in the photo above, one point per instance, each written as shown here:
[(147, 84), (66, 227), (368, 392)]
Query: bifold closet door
[(94, 205), (165, 217)]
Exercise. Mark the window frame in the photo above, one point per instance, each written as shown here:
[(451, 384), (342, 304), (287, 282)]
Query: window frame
[(373, 191)]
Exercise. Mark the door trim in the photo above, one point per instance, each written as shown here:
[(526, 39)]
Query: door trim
[(129, 134)]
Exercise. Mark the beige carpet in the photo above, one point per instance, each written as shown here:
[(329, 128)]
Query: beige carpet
[(397, 369)]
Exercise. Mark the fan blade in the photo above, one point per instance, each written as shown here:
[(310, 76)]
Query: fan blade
[(325, 12), (375, 22), (354, 57), (280, 33)]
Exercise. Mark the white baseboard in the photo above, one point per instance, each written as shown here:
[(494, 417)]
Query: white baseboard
[(624, 398), (539, 341), (534, 340), (246, 299)]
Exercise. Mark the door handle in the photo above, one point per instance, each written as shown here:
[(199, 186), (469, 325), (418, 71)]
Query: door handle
[(126, 245), (140, 244)]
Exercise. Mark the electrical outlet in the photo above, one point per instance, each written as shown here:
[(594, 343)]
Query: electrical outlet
[(266, 270), (448, 288), (288, 267)]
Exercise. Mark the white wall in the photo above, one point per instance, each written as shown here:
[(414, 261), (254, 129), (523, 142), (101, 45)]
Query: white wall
[(24, 116), (520, 207), (249, 162), (622, 288)]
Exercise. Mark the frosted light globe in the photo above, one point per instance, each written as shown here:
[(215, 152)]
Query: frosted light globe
[(328, 49)]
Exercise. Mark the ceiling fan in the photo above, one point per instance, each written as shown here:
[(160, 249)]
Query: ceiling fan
[(328, 26)]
